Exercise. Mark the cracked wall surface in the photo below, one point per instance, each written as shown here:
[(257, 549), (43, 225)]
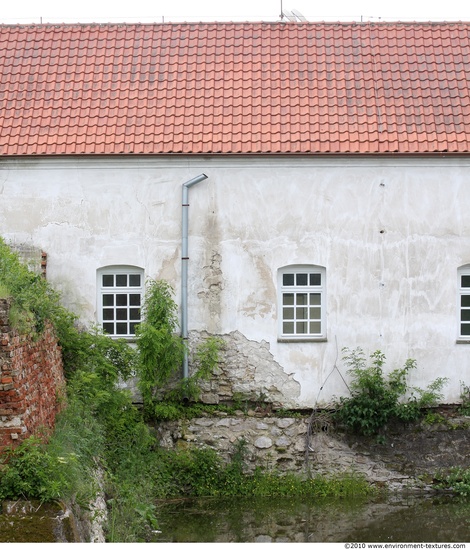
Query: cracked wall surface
[(389, 232)]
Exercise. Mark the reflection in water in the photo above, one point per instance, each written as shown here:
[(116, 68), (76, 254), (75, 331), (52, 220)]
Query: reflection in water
[(413, 519), (423, 520), (293, 520)]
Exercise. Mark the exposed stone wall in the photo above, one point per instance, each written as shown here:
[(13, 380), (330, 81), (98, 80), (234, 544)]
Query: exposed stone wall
[(247, 369), (271, 441), (33, 257), (294, 444), (31, 381), (407, 458)]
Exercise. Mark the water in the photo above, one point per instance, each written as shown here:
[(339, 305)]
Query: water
[(33, 521), (412, 519), (293, 520)]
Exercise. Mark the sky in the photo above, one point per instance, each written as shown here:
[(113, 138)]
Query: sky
[(158, 11)]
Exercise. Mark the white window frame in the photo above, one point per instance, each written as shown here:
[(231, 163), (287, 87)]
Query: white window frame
[(464, 303), (302, 307), (120, 293)]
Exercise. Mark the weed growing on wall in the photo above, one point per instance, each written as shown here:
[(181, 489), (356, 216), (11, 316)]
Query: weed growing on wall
[(34, 302), (376, 398), (464, 407), (202, 473), (161, 351)]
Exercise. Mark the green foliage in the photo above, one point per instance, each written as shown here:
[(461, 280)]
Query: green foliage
[(161, 350), (161, 353), (110, 360), (464, 399), (200, 472), (433, 418), (131, 491), (203, 363), (176, 410), (456, 480), (336, 486), (4, 291), (31, 472), (377, 399), (206, 357)]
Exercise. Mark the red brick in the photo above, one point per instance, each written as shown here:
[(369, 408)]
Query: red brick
[(32, 377)]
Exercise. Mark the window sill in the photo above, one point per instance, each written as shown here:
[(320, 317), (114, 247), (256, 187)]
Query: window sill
[(461, 341), (128, 339), (298, 340)]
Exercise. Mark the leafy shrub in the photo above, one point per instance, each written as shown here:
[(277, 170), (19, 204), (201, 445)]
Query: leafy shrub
[(30, 471), (161, 352), (457, 480), (464, 399), (161, 349), (204, 361), (34, 302), (377, 399)]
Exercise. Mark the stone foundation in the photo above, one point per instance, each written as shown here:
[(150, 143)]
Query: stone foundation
[(286, 444)]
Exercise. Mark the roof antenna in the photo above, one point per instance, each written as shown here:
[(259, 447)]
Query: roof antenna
[(293, 15), (298, 15)]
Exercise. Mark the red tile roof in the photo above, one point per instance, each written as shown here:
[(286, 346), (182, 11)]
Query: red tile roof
[(235, 88)]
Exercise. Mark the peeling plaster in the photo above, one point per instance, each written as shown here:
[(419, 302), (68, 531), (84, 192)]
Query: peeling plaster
[(168, 269), (262, 301), (248, 368), (213, 286)]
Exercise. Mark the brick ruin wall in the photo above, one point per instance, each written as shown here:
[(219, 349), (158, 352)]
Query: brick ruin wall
[(31, 381)]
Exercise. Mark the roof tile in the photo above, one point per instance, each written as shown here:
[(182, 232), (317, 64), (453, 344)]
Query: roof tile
[(235, 88)]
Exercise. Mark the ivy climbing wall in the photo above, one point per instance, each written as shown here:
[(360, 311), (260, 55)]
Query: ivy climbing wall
[(31, 381)]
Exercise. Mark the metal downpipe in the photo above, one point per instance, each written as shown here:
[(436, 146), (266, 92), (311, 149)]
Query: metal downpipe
[(184, 268)]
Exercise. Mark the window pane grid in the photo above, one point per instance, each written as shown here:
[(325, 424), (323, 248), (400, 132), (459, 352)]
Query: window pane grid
[(120, 303), (465, 308), (301, 297), (301, 314)]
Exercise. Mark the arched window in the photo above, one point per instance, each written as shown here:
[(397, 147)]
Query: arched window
[(120, 294), (302, 302), (464, 301)]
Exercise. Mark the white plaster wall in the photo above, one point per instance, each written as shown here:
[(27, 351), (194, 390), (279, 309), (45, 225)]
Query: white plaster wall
[(391, 234)]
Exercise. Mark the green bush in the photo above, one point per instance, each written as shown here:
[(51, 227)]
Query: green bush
[(377, 399), (161, 353), (456, 480), (161, 350), (34, 303), (464, 407), (31, 472)]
